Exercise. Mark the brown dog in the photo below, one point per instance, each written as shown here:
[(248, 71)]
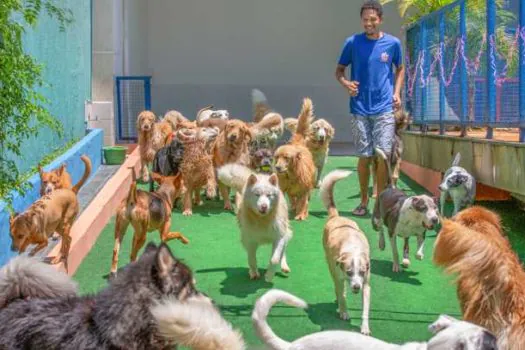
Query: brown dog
[(197, 166), (60, 178), (54, 212), (146, 212), (490, 278), (295, 165), (152, 137), (231, 146)]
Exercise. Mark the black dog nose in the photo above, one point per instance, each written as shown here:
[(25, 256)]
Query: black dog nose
[(13, 249), (435, 221)]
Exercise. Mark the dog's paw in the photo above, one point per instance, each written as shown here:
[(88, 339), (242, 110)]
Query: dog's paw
[(57, 260), (395, 268), (227, 206), (365, 330), (187, 212), (268, 276), (301, 217), (419, 256), (344, 315), (285, 268), (406, 263), (199, 203), (112, 276), (254, 275)]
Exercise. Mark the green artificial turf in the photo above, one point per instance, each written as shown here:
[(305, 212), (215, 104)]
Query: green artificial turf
[(402, 305)]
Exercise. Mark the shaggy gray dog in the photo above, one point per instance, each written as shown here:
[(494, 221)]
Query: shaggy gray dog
[(118, 317)]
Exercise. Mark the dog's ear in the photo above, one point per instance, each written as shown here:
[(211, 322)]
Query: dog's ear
[(274, 180), (177, 180), (164, 260), (40, 170), (150, 248), (252, 180), (60, 170), (248, 134), (444, 321), (157, 178), (12, 218)]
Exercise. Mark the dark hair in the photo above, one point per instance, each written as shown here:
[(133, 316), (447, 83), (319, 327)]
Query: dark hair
[(373, 5)]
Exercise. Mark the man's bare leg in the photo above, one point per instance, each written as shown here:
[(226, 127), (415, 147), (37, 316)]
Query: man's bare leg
[(381, 176), (363, 169)]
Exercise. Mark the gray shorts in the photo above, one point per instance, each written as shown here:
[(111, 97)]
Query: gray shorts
[(373, 131)]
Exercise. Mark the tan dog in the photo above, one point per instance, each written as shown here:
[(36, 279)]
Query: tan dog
[(318, 141), (490, 277), (197, 166), (54, 212), (295, 165), (231, 146), (178, 121), (152, 137), (347, 252), (147, 212), (60, 178)]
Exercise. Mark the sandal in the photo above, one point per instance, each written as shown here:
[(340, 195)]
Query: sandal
[(361, 210)]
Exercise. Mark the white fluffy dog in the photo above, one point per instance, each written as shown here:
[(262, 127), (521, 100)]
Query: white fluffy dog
[(449, 333), (262, 213)]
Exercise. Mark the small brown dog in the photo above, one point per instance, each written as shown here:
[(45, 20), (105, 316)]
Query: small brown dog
[(489, 276), (152, 137), (231, 146), (54, 212), (147, 212), (295, 165), (60, 178)]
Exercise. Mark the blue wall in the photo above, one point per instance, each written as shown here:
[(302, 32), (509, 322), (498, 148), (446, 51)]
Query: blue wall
[(90, 145)]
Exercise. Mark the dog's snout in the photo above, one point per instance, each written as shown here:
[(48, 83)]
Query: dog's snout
[(435, 220), (13, 248), (232, 137), (264, 208), (356, 287)]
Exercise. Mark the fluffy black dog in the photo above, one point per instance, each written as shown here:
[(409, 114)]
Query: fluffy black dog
[(118, 317), (167, 160)]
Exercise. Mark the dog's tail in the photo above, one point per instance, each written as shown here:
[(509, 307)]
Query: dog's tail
[(195, 324), (234, 175), (388, 163), (261, 310), (270, 120), (132, 195), (260, 105), (304, 121), (87, 172), (202, 110), (327, 190), (25, 277), (457, 159)]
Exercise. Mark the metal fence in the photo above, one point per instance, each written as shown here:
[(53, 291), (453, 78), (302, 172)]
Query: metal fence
[(133, 96), (466, 66)]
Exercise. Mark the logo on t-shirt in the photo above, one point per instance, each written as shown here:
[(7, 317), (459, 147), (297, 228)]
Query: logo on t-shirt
[(384, 57)]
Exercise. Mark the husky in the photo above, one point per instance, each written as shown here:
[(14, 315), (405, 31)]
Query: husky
[(118, 317), (449, 333), (459, 184), (262, 214)]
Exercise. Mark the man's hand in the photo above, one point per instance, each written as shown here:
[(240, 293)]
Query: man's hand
[(397, 102), (353, 88)]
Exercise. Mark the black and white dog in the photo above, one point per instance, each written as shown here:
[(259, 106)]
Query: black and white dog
[(459, 184), (403, 216)]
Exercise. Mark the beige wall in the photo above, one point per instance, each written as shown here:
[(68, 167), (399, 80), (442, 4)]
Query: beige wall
[(202, 52)]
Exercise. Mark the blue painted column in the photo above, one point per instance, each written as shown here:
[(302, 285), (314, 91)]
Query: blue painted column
[(147, 93), (522, 73), (440, 78), (463, 68), (426, 61), (491, 81)]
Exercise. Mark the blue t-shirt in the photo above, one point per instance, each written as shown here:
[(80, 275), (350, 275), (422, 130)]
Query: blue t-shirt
[(371, 65)]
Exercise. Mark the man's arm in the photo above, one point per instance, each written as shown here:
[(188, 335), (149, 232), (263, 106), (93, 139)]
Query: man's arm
[(400, 79), (352, 87)]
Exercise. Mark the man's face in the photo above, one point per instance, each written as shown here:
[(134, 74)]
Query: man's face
[(371, 22)]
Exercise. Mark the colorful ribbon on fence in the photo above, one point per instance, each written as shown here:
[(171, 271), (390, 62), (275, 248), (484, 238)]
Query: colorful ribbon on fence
[(472, 66)]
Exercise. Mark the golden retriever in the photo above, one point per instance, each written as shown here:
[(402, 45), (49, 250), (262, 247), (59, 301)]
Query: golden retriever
[(295, 165), (318, 139), (231, 146), (153, 136), (178, 121), (490, 278)]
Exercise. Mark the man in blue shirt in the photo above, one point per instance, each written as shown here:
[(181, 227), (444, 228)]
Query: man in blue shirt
[(372, 56)]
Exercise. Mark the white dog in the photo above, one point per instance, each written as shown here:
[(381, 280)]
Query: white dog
[(459, 184), (449, 333), (262, 213), (347, 252), (209, 113)]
